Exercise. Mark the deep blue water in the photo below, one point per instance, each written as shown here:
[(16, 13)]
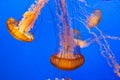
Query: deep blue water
[(31, 61)]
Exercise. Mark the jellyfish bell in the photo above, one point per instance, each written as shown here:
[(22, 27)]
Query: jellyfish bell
[(16, 33), (67, 61), (94, 18), (21, 30)]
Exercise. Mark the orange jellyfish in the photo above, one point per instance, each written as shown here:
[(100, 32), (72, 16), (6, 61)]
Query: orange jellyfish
[(94, 18), (66, 59), (21, 29)]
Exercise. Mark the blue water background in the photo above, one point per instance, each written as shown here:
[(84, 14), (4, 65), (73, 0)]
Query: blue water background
[(31, 61)]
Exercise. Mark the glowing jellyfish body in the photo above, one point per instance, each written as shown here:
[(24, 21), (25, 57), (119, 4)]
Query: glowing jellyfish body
[(65, 59), (15, 32), (66, 63), (94, 19), (21, 30)]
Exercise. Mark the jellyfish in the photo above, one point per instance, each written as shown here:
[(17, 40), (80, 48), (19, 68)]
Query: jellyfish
[(78, 39), (80, 43), (94, 18), (65, 58), (88, 21), (21, 29)]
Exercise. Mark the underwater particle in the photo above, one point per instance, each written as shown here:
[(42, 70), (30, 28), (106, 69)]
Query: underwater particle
[(21, 30), (65, 59), (94, 18), (48, 79), (60, 79), (56, 78)]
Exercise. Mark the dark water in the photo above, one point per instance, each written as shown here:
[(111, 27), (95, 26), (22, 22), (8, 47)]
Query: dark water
[(31, 61)]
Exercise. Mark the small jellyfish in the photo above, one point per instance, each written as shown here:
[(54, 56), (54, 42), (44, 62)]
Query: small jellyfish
[(94, 18), (21, 29), (77, 39), (80, 43)]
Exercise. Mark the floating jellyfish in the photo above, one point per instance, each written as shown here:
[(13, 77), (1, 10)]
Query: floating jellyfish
[(66, 59), (94, 18), (80, 43), (97, 35), (21, 29)]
